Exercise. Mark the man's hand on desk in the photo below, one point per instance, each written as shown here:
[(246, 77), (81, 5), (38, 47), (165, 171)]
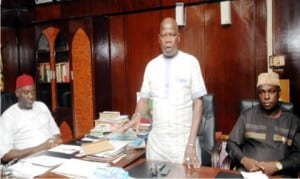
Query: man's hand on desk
[(135, 121), (48, 144), (191, 158), (268, 167), (250, 164)]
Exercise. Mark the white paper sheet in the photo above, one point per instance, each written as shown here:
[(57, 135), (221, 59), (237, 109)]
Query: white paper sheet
[(27, 170), (78, 168), (254, 175), (44, 160)]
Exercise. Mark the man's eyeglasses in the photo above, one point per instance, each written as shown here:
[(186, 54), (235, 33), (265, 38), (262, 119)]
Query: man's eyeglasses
[(170, 35)]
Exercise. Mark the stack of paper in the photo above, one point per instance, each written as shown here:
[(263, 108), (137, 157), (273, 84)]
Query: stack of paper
[(111, 117), (96, 147), (119, 147), (66, 149)]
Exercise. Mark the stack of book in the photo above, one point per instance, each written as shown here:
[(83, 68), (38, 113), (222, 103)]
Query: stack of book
[(109, 121), (114, 149)]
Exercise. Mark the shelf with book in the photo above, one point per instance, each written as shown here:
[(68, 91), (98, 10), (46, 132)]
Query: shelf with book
[(62, 71), (43, 77)]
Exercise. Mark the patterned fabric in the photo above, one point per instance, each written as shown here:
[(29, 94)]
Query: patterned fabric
[(172, 84), (265, 139), (21, 128)]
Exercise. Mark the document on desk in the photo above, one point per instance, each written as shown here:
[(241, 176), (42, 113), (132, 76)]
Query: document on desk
[(118, 147), (77, 168), (254, 175), (27, 170), (45, 160), (66, 149)]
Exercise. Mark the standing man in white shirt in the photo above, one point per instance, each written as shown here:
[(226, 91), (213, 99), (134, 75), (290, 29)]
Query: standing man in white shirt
[(26, 127), (174, 82)]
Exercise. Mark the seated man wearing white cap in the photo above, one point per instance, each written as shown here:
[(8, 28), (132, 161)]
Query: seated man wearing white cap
[(267, 136), (26, 127)]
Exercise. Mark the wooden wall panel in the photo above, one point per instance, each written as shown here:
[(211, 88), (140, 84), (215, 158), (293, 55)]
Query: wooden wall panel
[(26, 50), (230, 54), (286, 28), (118, 71), (16, 62), (260, 34), (9, 54), (46, 13), (101, 56), (130, 5), (107, 7), (76, 8)]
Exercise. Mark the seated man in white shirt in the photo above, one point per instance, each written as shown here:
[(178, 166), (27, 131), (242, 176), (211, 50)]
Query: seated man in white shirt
[(26, 127)]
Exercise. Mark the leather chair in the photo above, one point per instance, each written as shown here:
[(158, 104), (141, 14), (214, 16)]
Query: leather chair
[(206, 133), (7, 99), (249, 103)]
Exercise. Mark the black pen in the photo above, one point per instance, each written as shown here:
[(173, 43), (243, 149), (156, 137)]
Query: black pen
[(13, 161)]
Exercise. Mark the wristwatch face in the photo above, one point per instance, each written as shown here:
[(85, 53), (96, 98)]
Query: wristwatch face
[(278, 165)]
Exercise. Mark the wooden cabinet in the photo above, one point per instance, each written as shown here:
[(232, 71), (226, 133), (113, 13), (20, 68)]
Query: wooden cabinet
[(53, 78), (54, 72), (64, 76)]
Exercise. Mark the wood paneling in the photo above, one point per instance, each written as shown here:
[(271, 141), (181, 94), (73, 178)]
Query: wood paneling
[(82, 83), (118, 71), (26, 50), (46, 13), (101, 56), (286, 30), (76, 8), (130, 5), (230, 54), (9, 55), (107, 7)]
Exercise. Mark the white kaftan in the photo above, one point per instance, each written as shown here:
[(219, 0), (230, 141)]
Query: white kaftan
[(21, 128), (172, 84)]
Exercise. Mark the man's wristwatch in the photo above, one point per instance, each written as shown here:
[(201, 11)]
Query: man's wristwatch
[(278, 165)]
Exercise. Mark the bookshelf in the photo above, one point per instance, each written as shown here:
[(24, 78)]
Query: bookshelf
[(44, 92), (62, 72), (53, 77), (64, 77)]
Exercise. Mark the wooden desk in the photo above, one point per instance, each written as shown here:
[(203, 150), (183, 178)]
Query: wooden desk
[(132, 156), (141, 169)]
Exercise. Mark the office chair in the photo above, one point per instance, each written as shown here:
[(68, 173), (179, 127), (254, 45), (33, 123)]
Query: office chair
[(7, 99), (249, 103), (206, 133)]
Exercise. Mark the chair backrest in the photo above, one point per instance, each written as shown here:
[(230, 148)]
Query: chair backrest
[(7, 99), (206, 133), (249, 103)]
